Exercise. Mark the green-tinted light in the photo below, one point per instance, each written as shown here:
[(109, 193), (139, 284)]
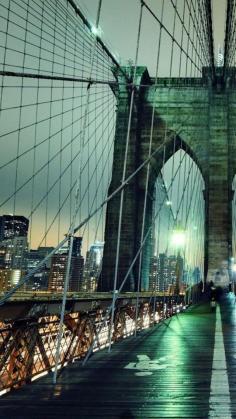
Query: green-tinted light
[(95, 30), (178, 238)]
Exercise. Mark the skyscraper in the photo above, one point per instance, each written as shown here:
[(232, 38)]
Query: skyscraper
[(77, 266), (92, 268), (58, 272), (16, 249), (38, 281), (13, 241), (13, 249), (59, 265), (164, 272), (153, 275), (13, 226)]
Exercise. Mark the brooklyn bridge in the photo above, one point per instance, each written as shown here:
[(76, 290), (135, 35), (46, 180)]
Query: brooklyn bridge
[(117, 209)]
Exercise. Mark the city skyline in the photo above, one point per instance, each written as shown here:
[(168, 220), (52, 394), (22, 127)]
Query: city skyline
[(18, 259)]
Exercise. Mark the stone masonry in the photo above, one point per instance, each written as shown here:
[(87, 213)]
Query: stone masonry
[(199, 116)]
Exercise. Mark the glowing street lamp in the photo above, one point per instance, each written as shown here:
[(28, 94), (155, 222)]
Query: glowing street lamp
[(179, 238)]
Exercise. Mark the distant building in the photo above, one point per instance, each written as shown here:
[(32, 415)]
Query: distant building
[(3, 251), (220, 57), (38, 281), (13, 241), (9, 278), (13, 252), (34, 257), (4, 279), (175, 264), (13, 249), (164, 222), (179, 273), (153, 276), (43, 252), (13, 226), (76, 276), (166, 272), (77, 266), (164, 279), (57, 272), (92, 268), (59, 265)]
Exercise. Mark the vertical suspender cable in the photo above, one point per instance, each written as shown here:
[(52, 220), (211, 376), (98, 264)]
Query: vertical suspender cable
[(36, 126), (147, 175), (132, 264), (76, 205), (123, 178)]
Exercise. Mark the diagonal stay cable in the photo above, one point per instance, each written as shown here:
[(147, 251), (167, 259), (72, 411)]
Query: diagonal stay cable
[(40, 169), (109, 309), (86, 219)]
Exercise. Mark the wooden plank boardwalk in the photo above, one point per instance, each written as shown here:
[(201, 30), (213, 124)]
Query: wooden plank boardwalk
[(166, 372)]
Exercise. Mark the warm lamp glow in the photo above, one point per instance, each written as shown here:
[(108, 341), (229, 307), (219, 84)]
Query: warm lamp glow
[(178, 238)]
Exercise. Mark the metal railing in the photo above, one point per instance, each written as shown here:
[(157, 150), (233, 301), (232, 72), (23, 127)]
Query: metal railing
[(28, 345)]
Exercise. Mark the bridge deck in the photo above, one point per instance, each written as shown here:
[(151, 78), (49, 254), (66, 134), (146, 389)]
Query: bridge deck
[(176, 370)]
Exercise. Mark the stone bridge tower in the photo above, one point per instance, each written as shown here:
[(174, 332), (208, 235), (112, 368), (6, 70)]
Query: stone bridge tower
[(201, 116)]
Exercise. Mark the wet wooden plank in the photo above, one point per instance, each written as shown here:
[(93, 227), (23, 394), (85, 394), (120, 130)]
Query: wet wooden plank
[(164, 373)]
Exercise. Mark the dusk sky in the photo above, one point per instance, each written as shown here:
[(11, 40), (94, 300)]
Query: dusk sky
[(118, 23)]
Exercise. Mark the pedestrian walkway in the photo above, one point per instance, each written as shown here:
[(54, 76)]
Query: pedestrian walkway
[(182, 368)]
